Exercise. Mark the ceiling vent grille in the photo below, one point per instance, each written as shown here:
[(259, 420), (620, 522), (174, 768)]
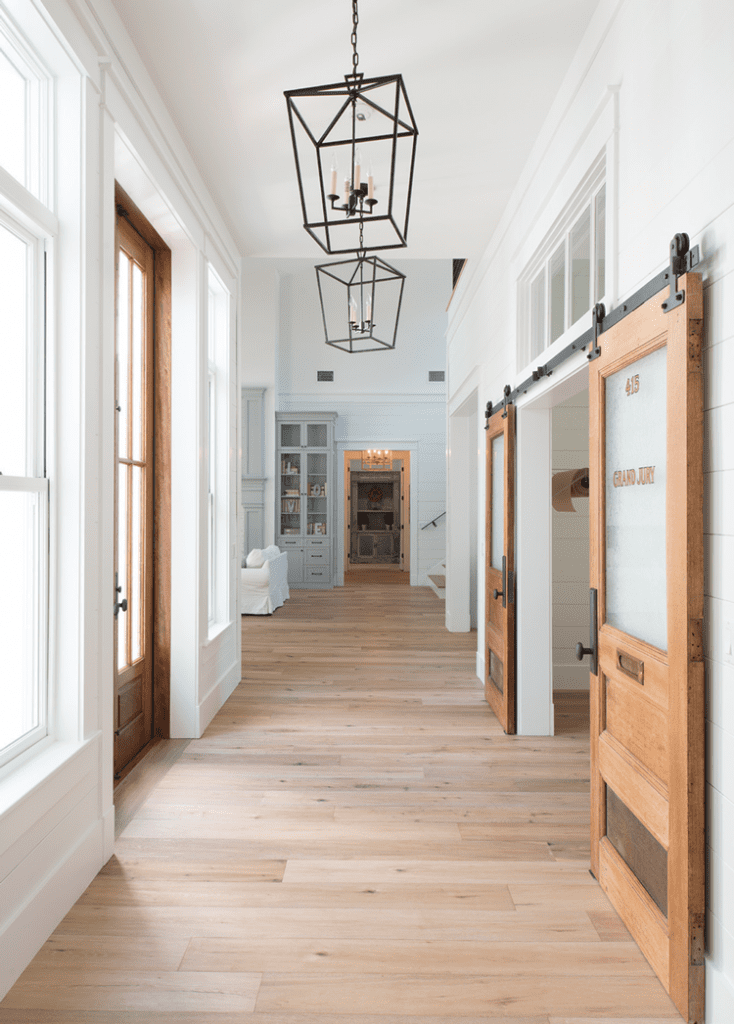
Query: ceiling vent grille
[(324, 375), (434, 376)]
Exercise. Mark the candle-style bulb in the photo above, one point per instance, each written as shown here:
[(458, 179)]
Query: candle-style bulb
[(368, 306), (334, 172), (370, 182), (353, 310), (357, 169)]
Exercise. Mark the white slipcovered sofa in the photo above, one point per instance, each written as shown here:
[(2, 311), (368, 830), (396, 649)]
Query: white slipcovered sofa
[(264, 581)]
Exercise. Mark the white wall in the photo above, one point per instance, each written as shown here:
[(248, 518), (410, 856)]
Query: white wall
[(382, 398), (671, 170), (570, 439), (56, 813)]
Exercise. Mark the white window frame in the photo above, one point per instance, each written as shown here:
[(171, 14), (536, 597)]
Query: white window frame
[(217, 450), (559, 235), (23, 212)]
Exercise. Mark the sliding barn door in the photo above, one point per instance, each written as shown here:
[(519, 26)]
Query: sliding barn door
[(647, 688), (499, 671)]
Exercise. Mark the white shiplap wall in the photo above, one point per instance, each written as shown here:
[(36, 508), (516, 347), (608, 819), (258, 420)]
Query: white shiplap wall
[(570, 436), (674, 169)]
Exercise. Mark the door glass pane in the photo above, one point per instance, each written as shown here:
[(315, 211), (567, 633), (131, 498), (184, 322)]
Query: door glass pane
[(557, 271), (600, 243), (497, 544), (19, 614), (123, 354), (639, 849), (14, 355), (290, 493), (122, 581), (136, 609), (636, 428), (581, 266), (12, 120), (290, 435), (137, 314), (316, 486), (537, 315), (496, 671)]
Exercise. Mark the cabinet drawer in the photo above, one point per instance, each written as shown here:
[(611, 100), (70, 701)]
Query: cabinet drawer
[(317, 558), (290, 542), (317, 574), (322, 542)]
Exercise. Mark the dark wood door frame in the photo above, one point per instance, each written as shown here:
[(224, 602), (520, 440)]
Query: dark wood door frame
[(126, 208)]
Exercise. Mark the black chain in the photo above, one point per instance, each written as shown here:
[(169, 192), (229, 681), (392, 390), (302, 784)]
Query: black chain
[(355, 22), (361, 234)]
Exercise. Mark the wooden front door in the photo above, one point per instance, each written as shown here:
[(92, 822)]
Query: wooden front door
[(647, 691), (133, 638), (499, 672)]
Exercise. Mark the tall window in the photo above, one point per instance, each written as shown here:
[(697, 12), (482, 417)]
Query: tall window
[(218, 450), (24, 493), (567, 275)]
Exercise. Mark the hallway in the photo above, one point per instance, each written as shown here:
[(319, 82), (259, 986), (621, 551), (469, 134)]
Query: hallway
[(353, 841)]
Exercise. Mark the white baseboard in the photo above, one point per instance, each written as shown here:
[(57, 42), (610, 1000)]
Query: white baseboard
[(719, 996), (480, 667), (24, 935), (216, 697)]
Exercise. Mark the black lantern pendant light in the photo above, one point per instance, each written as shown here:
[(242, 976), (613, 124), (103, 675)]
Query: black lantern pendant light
[(354, 146), (359, 316)]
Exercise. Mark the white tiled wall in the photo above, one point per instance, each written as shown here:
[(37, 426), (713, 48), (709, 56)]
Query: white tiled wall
[(674, 172)]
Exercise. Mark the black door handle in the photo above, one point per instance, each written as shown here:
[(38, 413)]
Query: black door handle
[(581, 651), (498, 593)]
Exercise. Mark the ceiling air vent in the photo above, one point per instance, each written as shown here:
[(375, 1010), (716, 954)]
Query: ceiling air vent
[(324, 375), (436, 375)]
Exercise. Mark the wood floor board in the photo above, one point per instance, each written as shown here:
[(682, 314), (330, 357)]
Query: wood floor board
[(461, 995), (354, 840)]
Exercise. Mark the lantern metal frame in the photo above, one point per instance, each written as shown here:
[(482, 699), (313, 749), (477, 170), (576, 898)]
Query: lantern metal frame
[(327, 224), (360, 276)]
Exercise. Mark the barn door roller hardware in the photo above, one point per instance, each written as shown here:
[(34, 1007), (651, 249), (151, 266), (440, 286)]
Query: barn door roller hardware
[(682, 260)]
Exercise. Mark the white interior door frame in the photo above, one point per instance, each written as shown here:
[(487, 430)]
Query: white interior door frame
[(360, 444), (462, 461), (534, 545)]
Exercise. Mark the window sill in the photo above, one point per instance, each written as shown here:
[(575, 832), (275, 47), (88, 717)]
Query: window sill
[(28, 772)]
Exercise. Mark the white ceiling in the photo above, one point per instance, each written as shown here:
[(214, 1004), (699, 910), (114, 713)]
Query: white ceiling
[(480, 74)]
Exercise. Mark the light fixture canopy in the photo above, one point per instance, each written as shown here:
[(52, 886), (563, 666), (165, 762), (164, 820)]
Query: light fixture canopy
[(360, 303), (354, 147)]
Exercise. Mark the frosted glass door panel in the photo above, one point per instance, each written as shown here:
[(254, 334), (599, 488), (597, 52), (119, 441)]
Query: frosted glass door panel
[(636, 431), (498, 501), (316, 434)]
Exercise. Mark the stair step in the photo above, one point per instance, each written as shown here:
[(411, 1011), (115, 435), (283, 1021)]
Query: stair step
[(439, 581)]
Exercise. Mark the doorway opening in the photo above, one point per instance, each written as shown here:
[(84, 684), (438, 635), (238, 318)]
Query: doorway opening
[(570, 560), (377, 520), (142, 486)]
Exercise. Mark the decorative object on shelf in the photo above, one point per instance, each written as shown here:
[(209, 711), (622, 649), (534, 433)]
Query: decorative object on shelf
[(351, 140), (375, 495), (373, 297), (375, 458), (571, 483)]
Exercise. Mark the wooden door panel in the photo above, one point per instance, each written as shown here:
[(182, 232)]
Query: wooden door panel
[(499, 645), (638, 725), (647, 736), (134, 497)]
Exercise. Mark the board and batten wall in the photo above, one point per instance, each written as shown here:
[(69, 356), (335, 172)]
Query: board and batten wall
[(670, 169), (570, 438)]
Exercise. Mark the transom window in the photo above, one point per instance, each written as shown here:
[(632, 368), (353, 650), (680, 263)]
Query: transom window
[(24, 122), (568, 273)]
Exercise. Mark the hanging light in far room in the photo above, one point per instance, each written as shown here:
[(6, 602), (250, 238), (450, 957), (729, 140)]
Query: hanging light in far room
[(370, 293), (354, 142), (374, 458)]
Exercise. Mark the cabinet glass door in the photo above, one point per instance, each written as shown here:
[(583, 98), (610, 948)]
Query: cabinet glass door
[(290, 435), (316, 492), (290, 492), (317, 435)]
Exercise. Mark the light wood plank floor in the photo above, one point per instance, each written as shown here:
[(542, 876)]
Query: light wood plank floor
[(353, 841)]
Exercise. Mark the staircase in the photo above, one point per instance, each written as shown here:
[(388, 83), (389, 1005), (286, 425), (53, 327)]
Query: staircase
[(437, 579)]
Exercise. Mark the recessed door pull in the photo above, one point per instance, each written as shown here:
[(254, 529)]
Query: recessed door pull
[(632, 667)]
